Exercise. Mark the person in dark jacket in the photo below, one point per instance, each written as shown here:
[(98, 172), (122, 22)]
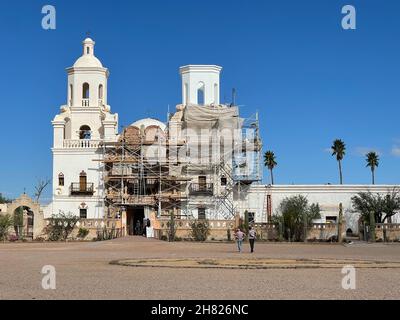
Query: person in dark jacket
[(252, 238)]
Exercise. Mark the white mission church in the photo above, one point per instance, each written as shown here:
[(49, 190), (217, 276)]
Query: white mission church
[(101, 173)]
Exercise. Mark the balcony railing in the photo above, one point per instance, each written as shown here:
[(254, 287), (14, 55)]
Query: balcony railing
[(82, 188), (201, 188), (79, 144), (85, 102)]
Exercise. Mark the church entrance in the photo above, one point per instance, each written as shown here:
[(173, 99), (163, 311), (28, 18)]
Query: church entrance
[(134, 220)]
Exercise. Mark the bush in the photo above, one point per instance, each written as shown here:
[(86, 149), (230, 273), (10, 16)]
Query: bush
[(296, 216), (82, 233), (6, 222), (200, 230), (60, 226), (106, 234)]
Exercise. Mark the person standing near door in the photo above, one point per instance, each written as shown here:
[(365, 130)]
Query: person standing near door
[(252, 238)]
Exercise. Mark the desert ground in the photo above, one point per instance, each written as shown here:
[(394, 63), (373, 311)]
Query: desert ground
[(84, 271)]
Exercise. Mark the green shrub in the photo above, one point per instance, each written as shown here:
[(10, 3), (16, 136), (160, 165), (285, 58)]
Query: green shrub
[(61, 225), (82, 233), (6, 222), (200, 230)]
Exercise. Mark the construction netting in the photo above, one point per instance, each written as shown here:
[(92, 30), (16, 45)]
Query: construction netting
[(221, 116)]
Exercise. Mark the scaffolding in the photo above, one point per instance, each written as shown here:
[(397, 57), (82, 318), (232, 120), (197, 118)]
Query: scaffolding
[(201, 161), (229, 157), (137, 174)]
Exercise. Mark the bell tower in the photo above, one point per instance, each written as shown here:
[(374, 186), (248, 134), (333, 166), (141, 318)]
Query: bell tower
[(200, 84), (87, 79), (83, 123)]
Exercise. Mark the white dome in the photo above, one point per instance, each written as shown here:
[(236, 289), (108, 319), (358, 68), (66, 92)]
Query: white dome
[(88, 61), (149, 122)]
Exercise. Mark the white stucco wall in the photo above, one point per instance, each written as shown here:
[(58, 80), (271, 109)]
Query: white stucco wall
[(327, 196), (195, 77)]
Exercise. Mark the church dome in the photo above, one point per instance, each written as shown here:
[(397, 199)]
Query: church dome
[(88, 59), (149, 122)]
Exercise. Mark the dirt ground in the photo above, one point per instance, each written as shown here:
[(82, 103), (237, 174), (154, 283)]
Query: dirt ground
[(83, 271)]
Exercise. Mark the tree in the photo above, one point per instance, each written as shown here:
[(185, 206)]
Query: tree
[(6, 222), (61, 225), (4, 199), (381, 207), (295, 216), (339, 150), (39, 188), (372, 162), (270, 163)]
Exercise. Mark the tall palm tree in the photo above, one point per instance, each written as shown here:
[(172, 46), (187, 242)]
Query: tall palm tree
[(270, 163), (339, 150), (372, 162)]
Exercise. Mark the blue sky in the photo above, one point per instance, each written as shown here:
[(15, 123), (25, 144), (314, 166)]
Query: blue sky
[(311, 81)]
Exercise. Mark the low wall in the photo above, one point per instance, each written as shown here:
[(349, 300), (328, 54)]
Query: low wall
[(97, 228), (219, 229), (387, 231), (265, 231), (324, 231)]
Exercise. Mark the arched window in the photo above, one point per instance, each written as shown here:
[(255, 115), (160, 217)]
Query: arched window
[(85, 88), (186, 93), (85, 133), (61, 179), (71, 95), (216, 93), (200, 96), (101, 92)]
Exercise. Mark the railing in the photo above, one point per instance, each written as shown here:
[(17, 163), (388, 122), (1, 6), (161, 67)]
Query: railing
[(85, 102), (202, 188), (78, 144), (82, 188)]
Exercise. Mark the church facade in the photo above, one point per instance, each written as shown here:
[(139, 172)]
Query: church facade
[(205, 162)]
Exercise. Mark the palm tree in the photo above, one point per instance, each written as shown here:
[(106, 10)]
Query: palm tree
[(270, 163), (372, 162), (339, 150)]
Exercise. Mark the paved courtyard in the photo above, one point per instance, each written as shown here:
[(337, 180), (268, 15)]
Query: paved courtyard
[(84, 271)]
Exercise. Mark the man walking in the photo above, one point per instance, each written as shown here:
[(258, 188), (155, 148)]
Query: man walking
[(239, 235), (252, 238)]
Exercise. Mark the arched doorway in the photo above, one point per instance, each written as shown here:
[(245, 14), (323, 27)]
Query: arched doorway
[(23, 222), (32, 217)]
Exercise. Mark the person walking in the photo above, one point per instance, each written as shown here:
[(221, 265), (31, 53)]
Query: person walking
[(239, 235), (252, 238)]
